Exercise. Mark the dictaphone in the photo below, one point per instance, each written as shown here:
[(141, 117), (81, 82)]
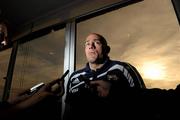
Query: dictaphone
[(36, 87)]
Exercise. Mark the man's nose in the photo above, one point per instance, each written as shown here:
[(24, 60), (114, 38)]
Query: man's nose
[(92, 45)]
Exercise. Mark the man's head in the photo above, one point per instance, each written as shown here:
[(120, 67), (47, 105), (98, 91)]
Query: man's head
[(3, 32), (96, 48)]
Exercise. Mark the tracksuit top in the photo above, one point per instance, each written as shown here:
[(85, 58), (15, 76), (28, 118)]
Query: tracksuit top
[(83, 98), (112, 71)]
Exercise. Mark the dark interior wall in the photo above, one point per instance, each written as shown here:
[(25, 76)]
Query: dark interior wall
[(61, 14)]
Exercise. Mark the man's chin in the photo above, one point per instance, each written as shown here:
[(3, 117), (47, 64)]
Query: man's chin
[(92, 61)]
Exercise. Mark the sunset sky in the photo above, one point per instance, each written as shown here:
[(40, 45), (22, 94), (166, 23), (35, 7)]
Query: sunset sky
[(145, 34)]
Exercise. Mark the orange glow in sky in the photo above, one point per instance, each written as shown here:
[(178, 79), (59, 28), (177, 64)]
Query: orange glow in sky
[(153, 71)]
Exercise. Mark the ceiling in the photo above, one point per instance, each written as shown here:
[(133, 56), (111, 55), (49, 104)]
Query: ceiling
[(20, 12)]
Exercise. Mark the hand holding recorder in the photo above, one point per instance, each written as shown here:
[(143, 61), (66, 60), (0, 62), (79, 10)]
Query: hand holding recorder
[(32, 96), (53, 86), (57, 86)]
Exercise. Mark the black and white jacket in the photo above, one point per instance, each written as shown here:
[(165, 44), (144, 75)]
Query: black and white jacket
[(83, 99), (110, 71)]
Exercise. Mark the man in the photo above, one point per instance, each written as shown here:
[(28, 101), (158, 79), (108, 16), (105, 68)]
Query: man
[(95, 91), (3, 33)]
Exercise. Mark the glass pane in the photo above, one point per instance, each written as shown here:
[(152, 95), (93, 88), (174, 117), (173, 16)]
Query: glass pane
[(39, 60), (145, 34), (4, 61)]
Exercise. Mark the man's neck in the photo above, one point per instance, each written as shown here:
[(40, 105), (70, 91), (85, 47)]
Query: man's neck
[(98, 63), (95, 66)]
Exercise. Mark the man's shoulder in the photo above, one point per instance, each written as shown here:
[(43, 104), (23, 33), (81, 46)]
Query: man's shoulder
[(119, 63), (122, 63), (78, 72), (116, 61), (127, 67)]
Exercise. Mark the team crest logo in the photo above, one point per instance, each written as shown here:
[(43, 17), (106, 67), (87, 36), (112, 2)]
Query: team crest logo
[(113, 75)]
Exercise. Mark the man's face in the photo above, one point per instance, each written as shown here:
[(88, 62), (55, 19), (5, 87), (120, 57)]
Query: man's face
[(93, 48)]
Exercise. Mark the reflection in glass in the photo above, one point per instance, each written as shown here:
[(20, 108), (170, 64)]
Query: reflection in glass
[(39, 60), (4, 61)]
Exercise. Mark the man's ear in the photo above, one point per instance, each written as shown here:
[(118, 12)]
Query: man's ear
[(106, 49)]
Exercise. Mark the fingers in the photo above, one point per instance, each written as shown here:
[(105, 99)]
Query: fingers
[(102, 87), (102, 92), (55, 82), (55, 87), (23, 92)]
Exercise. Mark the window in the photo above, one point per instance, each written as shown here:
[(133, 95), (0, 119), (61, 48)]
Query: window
[(4, 55), (39, 60), (145, 34)]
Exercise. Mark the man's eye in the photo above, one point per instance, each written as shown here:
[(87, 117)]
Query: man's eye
[(98, 42), (86, 44)]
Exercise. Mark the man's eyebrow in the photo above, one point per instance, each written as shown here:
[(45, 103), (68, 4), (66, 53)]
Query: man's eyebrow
[(97, 39)]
